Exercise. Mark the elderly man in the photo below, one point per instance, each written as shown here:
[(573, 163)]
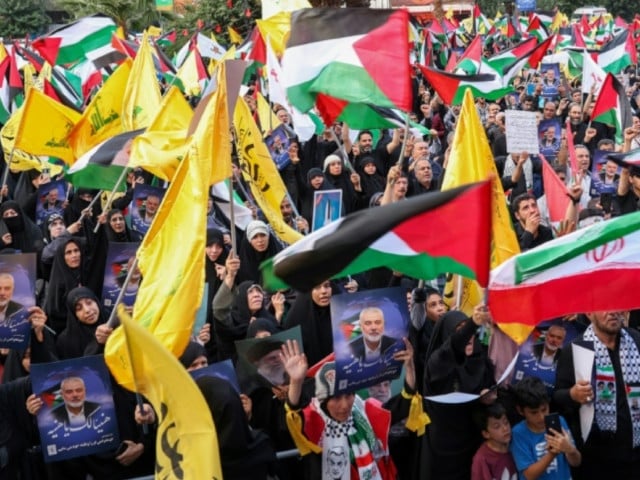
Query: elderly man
[(76, 411), (8, 308), (373, 343)]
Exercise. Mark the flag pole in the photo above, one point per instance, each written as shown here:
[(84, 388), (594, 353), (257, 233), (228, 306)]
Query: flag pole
[(232, 216), (107, 206), (404, 142), (95, 199), (341, 149), (458, 291), (113, 322), (5, 176)]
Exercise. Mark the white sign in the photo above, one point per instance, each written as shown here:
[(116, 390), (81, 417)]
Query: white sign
[(521, 132)]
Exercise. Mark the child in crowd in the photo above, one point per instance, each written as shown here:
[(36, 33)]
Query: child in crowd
[(493, 461), (538, 453)]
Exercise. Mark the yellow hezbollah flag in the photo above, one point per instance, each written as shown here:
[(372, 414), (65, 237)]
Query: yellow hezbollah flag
[(260, 172), (461, 293), (164, 144), (19, 160), (268, 119), (102, 118), (470, 161), (186, 440), (275, 30), (167, 304), (50, 137), (234, 36), (142, 95)]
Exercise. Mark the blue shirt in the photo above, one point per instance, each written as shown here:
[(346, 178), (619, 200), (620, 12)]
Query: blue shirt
[(528, 447)]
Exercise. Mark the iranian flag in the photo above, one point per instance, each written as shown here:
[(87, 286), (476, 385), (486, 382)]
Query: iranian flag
[(451, 87), (101, 166), (618, 53), (353, 54), (589, 270), (399, 236), (612, 107), (72, 42)]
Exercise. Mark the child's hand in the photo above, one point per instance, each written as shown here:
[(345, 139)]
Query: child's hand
[(559, 442)]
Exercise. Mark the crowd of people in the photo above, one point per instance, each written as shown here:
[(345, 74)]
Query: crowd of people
[(508, 431)]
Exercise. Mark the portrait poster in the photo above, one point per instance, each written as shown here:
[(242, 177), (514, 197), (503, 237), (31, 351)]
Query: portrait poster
[(278, 145), (261, 357), (17, 293), (223, 370), (120, 258), (549, 136), (144, 205), (364, 353), (550, 80), (598, 186), (532, 362), (327, 208), (52, 198), (201, 313), (78, 416)]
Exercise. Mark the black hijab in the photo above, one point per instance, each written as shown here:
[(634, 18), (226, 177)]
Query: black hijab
[(370, 183), (193, 351), (245, 454), (25, 234), (77, 336), (114, 236), (250, 259), (63, 279)]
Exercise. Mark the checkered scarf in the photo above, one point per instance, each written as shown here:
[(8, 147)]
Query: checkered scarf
[(605, 402)]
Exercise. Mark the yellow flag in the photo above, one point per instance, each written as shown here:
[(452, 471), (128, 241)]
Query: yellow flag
[(167, 304), (471, 160), (268, 119), (160, 149), (186, 440), (260, 172), (31, 79), (153, 31), (234, 36), (19, 160), (50, 137), (142, 95), (276, 30), (192, 74), (461, 293), (3, 51), (102, 119)]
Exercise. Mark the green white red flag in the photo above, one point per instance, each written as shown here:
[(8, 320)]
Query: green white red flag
[(612, 107)]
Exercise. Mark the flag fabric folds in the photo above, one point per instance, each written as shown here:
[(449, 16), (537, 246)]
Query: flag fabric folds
[(612, 107), (541, 283), (167, 305), (357, 55), (398, 236), (260, 172), (187, 442)]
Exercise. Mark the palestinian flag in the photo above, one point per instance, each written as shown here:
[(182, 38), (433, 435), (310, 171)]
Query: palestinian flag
[(451, 87), (588, 270), (72, 42), (398, 236), (531, 58), (628, 159), (469, 63), (101, 166), (507, 57), (617, 53), (353, 54), (612, 107)]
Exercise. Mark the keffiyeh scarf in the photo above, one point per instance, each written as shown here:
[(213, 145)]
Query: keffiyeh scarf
[(605, 387)]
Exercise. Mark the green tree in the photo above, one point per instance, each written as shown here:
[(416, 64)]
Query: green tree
[(19, 18), (131, 15)]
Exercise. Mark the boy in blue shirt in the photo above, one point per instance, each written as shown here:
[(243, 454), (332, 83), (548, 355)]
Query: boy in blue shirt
[(538, 454)]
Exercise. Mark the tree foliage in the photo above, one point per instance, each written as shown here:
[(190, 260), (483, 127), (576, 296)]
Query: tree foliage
[(19, 18)]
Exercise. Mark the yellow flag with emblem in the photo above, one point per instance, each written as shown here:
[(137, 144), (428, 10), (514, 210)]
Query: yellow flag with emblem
[(142, 96), (186, 439), (470, 161), (160, 149), (50, 137), (102, 119), (268, 120), (260, 172)]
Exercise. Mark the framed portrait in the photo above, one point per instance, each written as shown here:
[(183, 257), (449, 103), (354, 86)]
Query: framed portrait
[(17, 294)]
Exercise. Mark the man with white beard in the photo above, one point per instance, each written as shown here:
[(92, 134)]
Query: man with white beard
[(8, 307), (75, 412), (371, 346), (547, 353), (265, 356)]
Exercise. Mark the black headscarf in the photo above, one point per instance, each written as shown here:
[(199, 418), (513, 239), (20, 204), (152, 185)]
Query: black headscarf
[(261, 325), (77, 336), (245, 454), (63, 279), (250, 259), (193, 351), (25, 234), (211, 278), (112, 235), (370, 183)]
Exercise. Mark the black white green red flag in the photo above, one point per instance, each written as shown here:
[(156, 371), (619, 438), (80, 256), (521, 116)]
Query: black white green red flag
[(353, 54), (422, 236)]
